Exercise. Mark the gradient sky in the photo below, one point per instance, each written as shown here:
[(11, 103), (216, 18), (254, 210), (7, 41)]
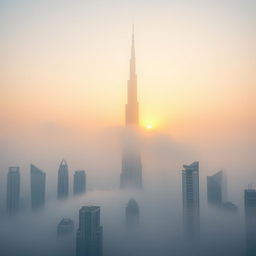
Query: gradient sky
[(65, 63)]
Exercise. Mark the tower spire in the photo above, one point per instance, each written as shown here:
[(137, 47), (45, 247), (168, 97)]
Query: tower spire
[(133, 59), (132, 106)]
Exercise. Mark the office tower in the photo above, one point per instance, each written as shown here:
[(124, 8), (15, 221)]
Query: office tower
[(37, 183), (131, 175), (89, 233), (132, 214), (13, 190), (190, 191), (216, 188), (65, 227), (250, 220), (79, 186), (63, 180)]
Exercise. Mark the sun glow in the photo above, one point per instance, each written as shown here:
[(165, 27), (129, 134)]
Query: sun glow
[(149, 126)]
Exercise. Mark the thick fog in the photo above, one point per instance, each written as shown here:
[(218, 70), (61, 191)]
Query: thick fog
[(160, 230)]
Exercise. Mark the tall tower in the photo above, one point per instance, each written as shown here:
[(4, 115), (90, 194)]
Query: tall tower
[(79, 186), (37, 183), (216, 188), (63, 180), (132, 106), (250, 220), (13, 190), (131, 175), (191, 211), (89, 233)]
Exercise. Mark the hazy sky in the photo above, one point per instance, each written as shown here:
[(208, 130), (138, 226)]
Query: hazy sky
[(64, 65)]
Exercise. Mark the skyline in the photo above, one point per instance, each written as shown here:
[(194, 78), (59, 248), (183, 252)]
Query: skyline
[(95, 160)]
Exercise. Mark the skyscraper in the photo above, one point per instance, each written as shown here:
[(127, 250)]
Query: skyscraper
[(63, 180), (79, 186), (37, 183), (190, 191), (216, 188), (65, 227), (250, 221), (13, 190), (131, 175), (89, 233), (132, 214)]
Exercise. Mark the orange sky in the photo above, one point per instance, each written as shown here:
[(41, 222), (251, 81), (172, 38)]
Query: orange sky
[(68, 65)]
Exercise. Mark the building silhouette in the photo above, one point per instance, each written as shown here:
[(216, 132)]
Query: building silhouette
[(65, 227), (132, 214), (131, 174), (13, 190), (89, 233), (63, 180), (79, 186), (250, 221), (216, 187), (37, 187), (190, 191), (230, 207)]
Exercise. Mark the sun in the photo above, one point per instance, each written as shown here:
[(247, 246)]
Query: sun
[(149, 127)]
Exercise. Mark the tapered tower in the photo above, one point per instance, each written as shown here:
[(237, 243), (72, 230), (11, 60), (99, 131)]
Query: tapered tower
[(132, 106), (131, 175)]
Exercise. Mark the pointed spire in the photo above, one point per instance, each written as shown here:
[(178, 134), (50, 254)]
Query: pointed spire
[(132, 60), (133, 45)]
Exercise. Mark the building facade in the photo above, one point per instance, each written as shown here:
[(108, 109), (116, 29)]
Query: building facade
[(37, 187), (89, 234), (191, 207), (79, 186), (63, 187), (13, 190), (132, 214), (250, 221), (65, 227), (216, 188)]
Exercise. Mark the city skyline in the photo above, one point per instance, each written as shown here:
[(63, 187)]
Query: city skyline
[(116, 117)]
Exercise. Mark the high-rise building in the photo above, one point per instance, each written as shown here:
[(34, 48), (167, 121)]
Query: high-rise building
[(13, 190), (132, 214), (216, 188), (79, 186), (37, 183), (190, 191), (63, 180), (65, 227), (250, 220), (131, 175), (89, 233)]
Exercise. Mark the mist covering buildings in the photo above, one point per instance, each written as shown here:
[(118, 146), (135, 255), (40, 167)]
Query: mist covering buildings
[(171, 212)]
